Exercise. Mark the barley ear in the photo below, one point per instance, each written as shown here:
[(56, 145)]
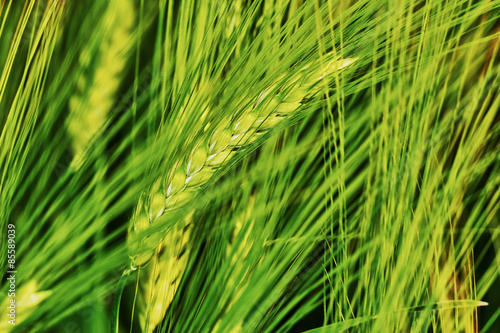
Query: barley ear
[(28, 299), (237, 250), (160, 280), (95, 96), (212, 153)]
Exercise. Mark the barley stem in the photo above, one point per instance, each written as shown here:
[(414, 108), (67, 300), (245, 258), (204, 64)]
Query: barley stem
[(115, 322)]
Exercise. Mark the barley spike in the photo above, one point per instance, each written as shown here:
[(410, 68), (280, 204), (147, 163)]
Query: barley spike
[(90, 106), (212, 153), (28, 299), (159, 280)]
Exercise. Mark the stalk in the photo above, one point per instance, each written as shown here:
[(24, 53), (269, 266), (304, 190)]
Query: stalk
[(115, 319)]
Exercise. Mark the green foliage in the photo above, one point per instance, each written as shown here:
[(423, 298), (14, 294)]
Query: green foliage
[(363, 198)]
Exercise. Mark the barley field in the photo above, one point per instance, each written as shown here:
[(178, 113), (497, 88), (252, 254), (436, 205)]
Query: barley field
[(249, 166)]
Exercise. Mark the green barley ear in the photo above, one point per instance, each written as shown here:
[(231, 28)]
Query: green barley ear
[(237, 250), (212, 152), (28, 299), (95, 97), (160, 279)]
